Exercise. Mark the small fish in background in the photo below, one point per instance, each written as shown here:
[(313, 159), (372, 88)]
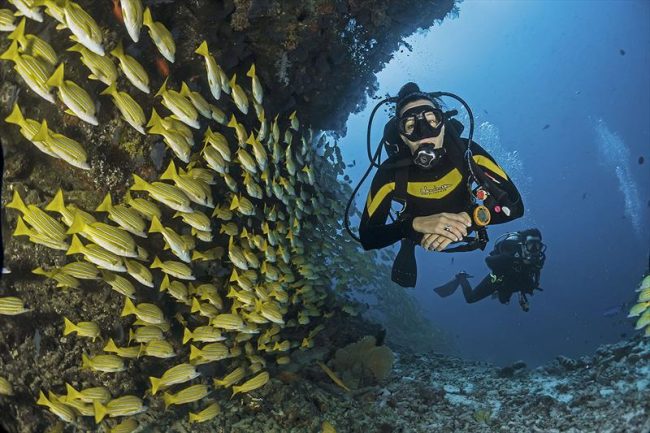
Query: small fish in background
[(641, 160), (584, 195), (546, 126), (621, 52), (614, 310)]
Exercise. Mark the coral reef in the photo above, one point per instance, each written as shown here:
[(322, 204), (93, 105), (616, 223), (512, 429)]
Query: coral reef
[(363, 363)]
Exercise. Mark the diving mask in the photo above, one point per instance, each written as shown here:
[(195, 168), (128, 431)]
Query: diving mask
[(423, 121)]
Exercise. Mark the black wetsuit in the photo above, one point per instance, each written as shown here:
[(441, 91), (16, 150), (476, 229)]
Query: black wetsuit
[(440, 189), (513, 271)]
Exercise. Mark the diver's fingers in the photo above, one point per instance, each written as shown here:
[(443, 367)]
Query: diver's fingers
[(461, 217), (450, 228), (442, 245), (429, 240), (457, 231)]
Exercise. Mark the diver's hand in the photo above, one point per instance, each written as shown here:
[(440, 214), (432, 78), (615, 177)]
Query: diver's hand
[(432, 241), (452, 226)]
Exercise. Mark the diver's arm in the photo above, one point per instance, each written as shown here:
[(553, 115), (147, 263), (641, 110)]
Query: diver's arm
[(373, 230), (497, 178)]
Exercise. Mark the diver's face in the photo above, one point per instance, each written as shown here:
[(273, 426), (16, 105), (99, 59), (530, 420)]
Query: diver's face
[(436, 141)]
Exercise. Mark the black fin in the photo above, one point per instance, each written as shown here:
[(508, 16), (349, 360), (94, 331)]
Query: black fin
[(447, 289), (405, 270)]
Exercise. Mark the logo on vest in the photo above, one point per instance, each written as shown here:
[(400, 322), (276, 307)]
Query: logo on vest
[(431, 190)]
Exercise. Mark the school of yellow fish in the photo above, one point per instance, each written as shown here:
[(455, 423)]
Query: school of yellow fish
[(279, 223)]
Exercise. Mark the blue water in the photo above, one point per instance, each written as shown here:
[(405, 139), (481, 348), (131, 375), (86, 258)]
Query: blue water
[(522, 65)]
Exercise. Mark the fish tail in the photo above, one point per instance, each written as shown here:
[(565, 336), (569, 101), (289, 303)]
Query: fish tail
[(57, 204), (195, 306), (16, 116), (69, 326), (170, 173), (156, 226), (76, 247), (193, 417), (85, 361), (76, 48), (235, 390), (156, 263), (77, 226), (195, 352), (202, 50), (129, 308), (233, 81), (118, 51), (11, 53), (185, 90), (198, 255), (42, 400), (235, 202), (111, 346), (154, 119), (110, 90), (163, 88), (56, 79), (106, 204), (18, 203), (155, 384), (164, 285), (187, 335), (19, 32), (43, 133), (147, 20), (100, 411), (168, 399), (139, 184), (232, 122), (73, 394), (22, 229), (251, 71), (131, 334)]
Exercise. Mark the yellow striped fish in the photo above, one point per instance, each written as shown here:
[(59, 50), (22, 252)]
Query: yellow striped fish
[(173, 268), (106, 363), (33, 45), (178, 374), (251, 384), (149, 313), (11, 306), (97, 255), (127, 218), (59, 409), (176, 243), (34, 72), (133, 70), (179, 105), (74, 97), (187, 395), (169, 195), (121, 406), (129, 108), (83, 26), (87, 395), (139, 272), (196, 190), (83, 329), (123, 352), (206, 414), (146, 208), (160, 36)]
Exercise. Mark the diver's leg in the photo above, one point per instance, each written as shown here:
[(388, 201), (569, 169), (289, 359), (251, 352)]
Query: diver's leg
[(484, 289)]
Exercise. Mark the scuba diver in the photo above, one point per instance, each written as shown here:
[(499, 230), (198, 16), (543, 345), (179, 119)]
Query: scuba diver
[(437, 177), (515, 265)]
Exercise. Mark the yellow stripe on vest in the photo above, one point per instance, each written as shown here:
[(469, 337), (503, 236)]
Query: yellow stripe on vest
[(485, 162), (373, 202), (436, 189)]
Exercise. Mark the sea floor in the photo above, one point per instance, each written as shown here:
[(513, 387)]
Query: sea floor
[(606, 392)]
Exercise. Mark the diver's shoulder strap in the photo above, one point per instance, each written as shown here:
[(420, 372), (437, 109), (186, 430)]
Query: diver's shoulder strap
[(401, 185)]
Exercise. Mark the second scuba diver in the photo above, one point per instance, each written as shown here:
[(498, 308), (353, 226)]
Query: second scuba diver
[(430, 172), (515, 265)]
